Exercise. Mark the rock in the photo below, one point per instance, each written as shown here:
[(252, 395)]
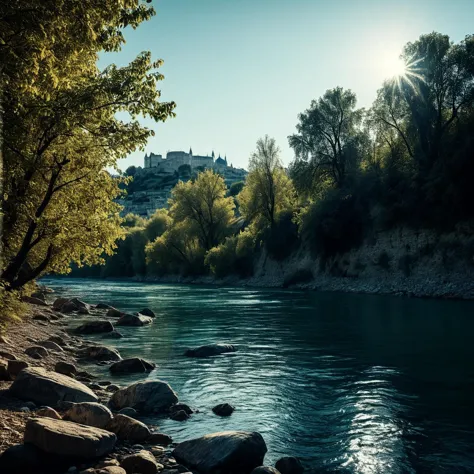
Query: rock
[(30, 405), (128, 428), (80, 304), (210, 350), (40, 294), (21, 459), (133, 320), (224, 409), (34, 300), (104, 383), (289, 465), (182, 406), (265, 470), (101, 353), (179, 415), (95, 327), (111, 470), (142, 462), (128, 411), (229, 452), (4, 370), (7, 355), (65, 368), (25, 410), (48, 388), (69, 307), (103, 306), (113, 335), (160, 438), (147, 312), (64, 438), (52, 346), (112, 388), (41, 317), (114, 313), (147, 397), (58, 302), (90, 414), (36, 352), (15, 367), (48, 412), (133, 365), (58, 340)]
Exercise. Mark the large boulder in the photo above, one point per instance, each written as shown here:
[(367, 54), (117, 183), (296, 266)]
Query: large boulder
[(99, 353), (265, 470), (65, 368), (224, 409), (48, 388), (59, 302), (34, 300), (146, 397), (210, 350), (147, 312), (22, 459), (114, 312), (232, 452), (15, 367), (289, 465), (64, 438), (128, 428), (133, 320), (142, 462), (36, 352), (89, 413), (95, 327), (133, 365)]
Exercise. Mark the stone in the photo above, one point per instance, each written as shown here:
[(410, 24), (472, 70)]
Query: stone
[(34, 300), (15, 367), (80, 304), (182, 406), (224, 409), (30, 405), (41, 317), (128, 411), (133, 320), (179, 415), (7, 355), (265, 470), (48, 412), (100, 353), (128, 428), (289, 465), (36, 352), (95, 327), (146, 397), (68, 439), (112, 388), (58, 340), (48, 388), (21, 459), (65, 368), (4, 370), (231, 452), (113, 335), (147, 312), (160, 438), (90, 414), (114, 313), (210, 350), (69, 307), (132, 365), (111, 470), (103, 306), (50, 345), (58, 302), (142, 462)]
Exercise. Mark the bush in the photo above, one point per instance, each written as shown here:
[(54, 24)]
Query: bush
[(11, 307), (303, 275), (282, 239)]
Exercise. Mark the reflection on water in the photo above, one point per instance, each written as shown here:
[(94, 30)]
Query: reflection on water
[(348, 383)]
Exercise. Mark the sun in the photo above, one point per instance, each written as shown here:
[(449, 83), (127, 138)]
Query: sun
[(393, 67)]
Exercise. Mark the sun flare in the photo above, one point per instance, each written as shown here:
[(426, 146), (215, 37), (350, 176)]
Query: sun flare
[(394, 67)]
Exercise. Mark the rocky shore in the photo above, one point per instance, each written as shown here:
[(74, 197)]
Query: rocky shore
[(56, 417)]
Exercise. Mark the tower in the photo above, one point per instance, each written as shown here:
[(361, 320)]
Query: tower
[(190, 151)]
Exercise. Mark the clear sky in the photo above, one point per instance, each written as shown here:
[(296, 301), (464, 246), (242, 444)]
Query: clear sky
[(240, 69)]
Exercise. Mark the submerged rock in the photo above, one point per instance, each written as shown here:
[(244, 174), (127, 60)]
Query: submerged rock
[(114, 312), (133, 365), (48, 388), (64, 438), (146, 397), (289, 465), (231, 452), (224, 409), (147, 312), (210, 350), (133, 320)]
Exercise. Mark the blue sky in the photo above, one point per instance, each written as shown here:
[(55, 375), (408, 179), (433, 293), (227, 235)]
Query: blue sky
[(240, 69)]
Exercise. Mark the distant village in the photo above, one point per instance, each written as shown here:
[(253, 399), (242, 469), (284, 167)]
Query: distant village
[(153, 183)]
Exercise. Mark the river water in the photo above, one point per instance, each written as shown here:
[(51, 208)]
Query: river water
[(348, 383)]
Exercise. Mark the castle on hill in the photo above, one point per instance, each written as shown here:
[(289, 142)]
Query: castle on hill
[(175, 159)]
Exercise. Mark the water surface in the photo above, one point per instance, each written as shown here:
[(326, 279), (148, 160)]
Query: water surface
[(348, 383)]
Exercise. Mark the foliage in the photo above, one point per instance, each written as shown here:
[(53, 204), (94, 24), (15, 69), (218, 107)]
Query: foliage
[(157, 224), (268, 191), (236, 187), (61, 129), (282, 239), (133, 220), (131, 171)]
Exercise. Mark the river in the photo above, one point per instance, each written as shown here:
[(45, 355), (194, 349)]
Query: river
[(348, 383)]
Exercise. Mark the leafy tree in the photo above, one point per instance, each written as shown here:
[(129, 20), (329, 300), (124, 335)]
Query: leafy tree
[(328, 139), (61, 129), (157, 224), (131, 171), (204, 207), (133, 220), (268, 190), (236, 187)]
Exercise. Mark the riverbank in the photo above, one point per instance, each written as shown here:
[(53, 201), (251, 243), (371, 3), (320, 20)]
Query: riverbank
[(36, 396)]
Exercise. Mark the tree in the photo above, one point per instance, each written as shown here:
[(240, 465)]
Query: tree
[(236, 187), (157, 224), (61, 130), (131, 171), (268, 191), (204, 206), (328, 139)]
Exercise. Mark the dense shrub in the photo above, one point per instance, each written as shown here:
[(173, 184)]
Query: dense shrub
[(282, 239)]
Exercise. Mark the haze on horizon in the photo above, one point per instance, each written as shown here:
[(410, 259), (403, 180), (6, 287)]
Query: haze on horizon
[(238, 70)]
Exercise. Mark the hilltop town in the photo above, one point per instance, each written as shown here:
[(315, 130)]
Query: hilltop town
[(152, 184)]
